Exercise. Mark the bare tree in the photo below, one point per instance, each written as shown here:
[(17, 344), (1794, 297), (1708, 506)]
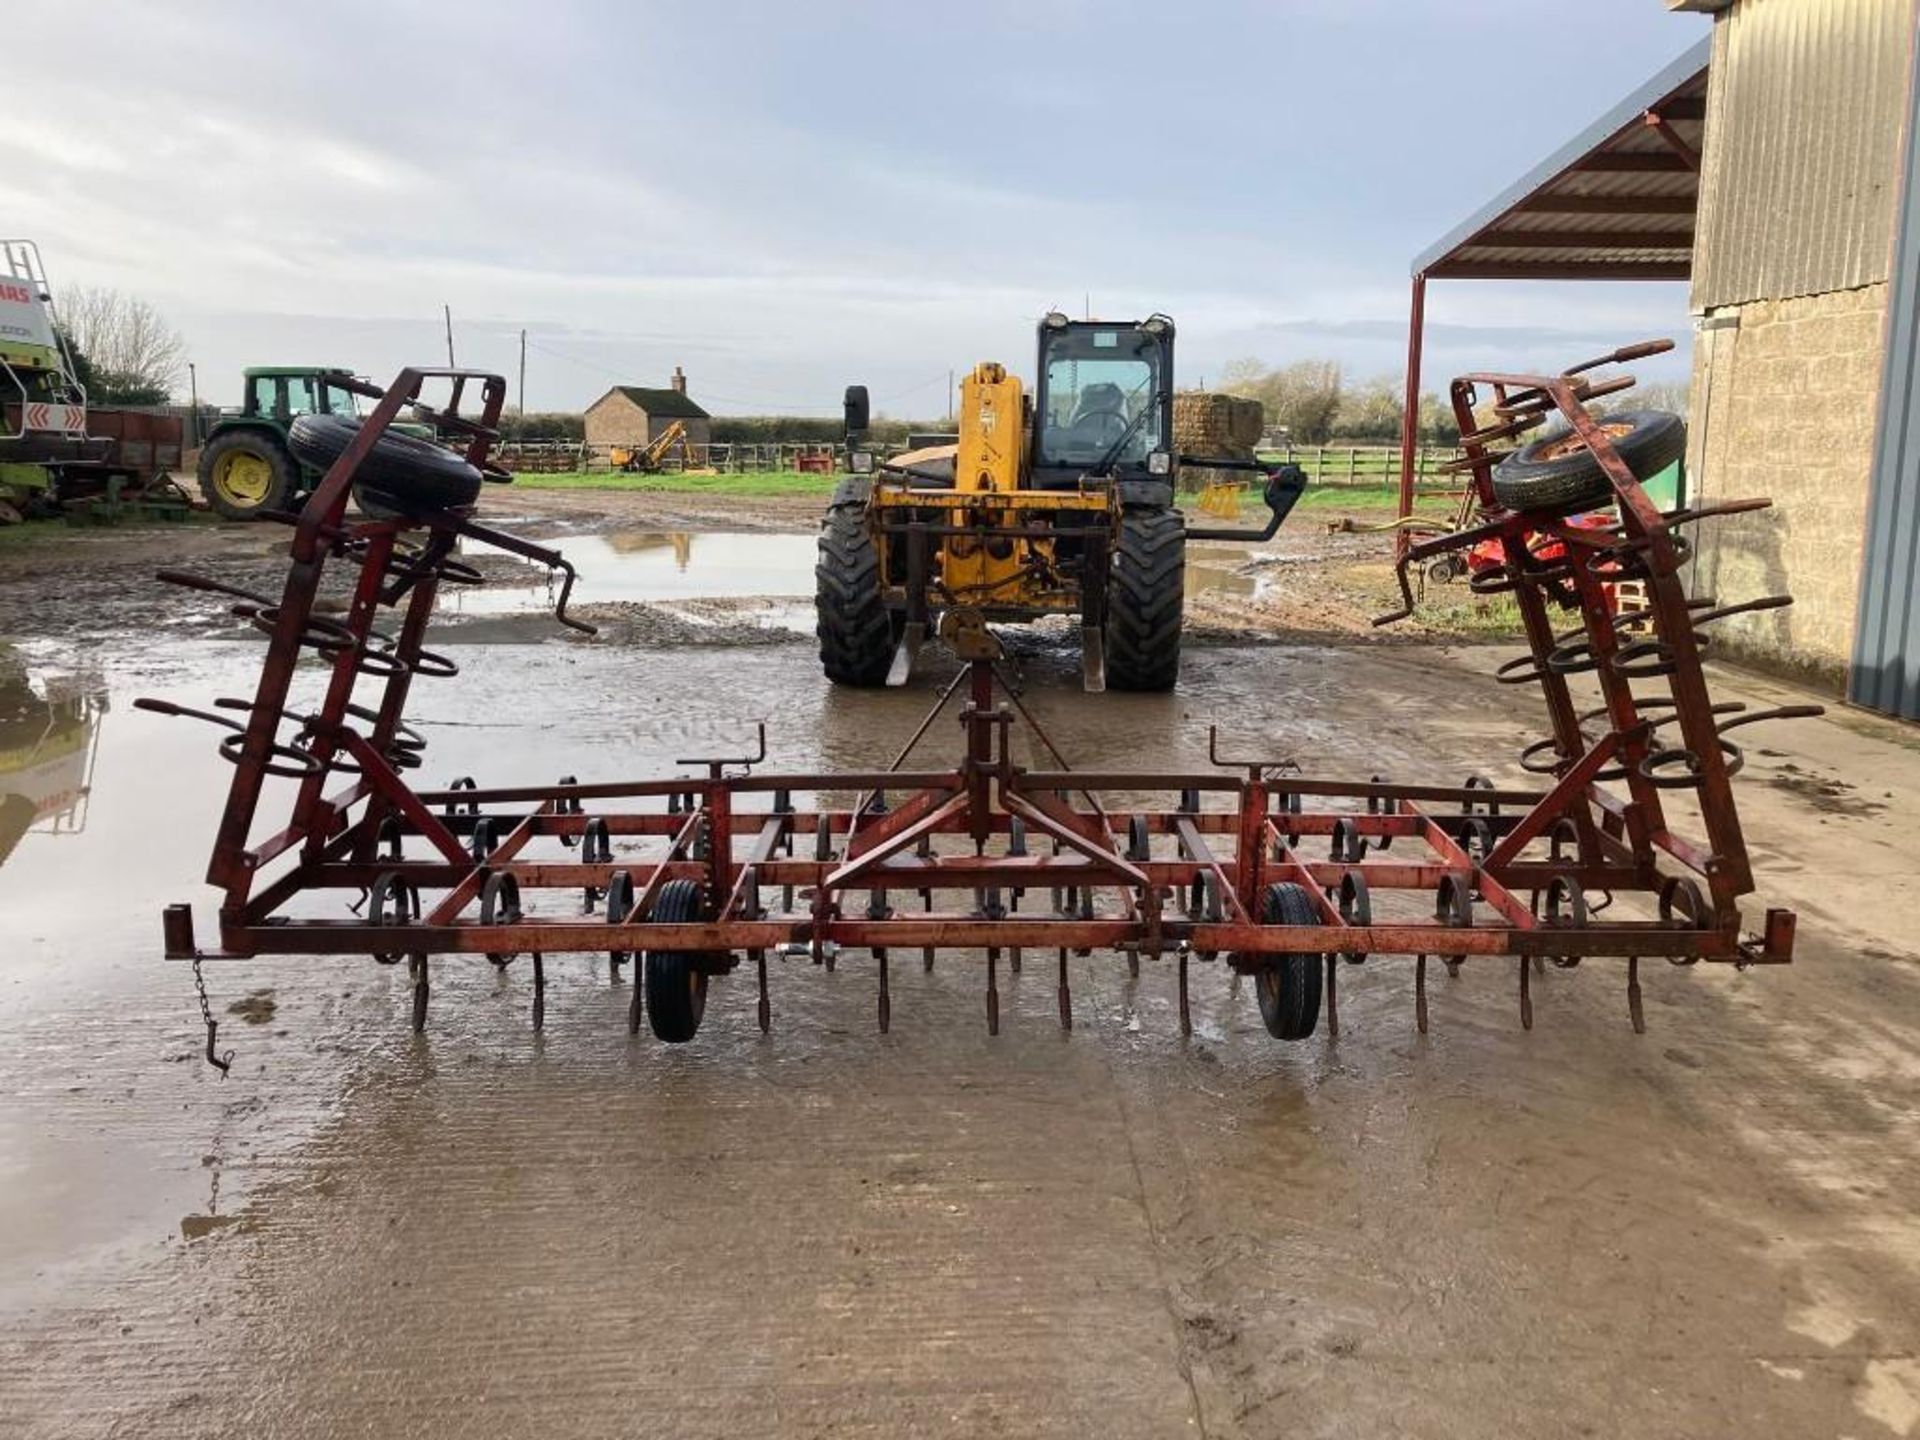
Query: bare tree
[(1657, 395), (134, 354), (1303, 397)]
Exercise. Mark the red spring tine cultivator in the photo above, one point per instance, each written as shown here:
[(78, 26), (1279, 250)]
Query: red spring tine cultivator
[(1279, 875)]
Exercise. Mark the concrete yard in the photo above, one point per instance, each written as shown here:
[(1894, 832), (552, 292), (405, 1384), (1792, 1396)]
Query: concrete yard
[(1707, 1230)]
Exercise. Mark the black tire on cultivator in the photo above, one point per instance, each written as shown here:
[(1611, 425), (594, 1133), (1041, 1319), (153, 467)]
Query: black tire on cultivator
[(1146, 596), (676, 985), (857, 632), (1559, 471), (1288, 986)]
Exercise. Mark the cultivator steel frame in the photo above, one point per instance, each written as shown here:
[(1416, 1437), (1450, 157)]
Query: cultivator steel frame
[(1280, 876)]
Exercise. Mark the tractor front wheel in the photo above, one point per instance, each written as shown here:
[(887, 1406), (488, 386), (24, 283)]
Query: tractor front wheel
[(857, 632), (245, 472), (1146, 598)]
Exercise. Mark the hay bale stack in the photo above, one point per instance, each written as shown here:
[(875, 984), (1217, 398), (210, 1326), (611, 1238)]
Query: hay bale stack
[(1209, 424)]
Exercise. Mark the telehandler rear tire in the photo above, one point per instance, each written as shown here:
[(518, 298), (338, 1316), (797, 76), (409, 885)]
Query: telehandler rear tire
[(1146, 598), (857, 632)]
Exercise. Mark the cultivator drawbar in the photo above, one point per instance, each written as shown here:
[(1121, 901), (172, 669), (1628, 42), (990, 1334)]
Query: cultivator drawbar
[(1272, 874)]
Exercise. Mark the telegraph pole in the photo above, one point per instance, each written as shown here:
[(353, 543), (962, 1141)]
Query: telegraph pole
[(949, 397), (447, 310), (523, 376)]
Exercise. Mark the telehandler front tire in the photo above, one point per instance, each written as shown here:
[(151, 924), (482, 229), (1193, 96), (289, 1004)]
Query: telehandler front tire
[(857, 632), (1146, 600)]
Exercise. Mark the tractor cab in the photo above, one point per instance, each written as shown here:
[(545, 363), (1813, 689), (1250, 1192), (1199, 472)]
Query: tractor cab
[(1104, 402), (280, 394)]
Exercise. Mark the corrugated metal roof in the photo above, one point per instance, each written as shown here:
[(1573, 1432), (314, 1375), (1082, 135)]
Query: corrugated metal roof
[(1615, 202), (1803, 132), (1886, 647)]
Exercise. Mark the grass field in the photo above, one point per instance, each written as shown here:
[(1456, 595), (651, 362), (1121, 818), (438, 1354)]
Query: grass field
[(1382, 496), (755, 484)]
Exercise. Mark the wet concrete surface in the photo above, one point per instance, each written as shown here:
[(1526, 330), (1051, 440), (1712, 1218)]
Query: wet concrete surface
[(1706, 1230)]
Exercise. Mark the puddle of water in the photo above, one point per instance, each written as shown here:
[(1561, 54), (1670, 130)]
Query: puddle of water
[(663, 566), (652, 566), (1215, 570)]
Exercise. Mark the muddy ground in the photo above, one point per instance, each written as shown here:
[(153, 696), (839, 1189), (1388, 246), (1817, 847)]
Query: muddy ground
[(1311, 583), (1707, 1230)]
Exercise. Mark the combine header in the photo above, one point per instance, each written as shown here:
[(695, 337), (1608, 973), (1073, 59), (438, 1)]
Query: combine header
[(1275, 875)]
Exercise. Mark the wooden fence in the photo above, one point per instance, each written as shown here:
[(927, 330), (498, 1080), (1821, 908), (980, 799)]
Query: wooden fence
[(1359, 466), (1366, 464)]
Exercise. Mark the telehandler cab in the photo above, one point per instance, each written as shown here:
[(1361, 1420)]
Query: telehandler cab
[(1054, 501)]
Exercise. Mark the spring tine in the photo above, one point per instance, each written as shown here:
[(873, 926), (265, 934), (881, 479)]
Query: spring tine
[(993, 994), (418, 964), (765, 1007), (886, 1000), (1420, 992), (539, 993), (1013, 960), (1133, 964), (1634, 1009), (926, 959), (1186, 1012), (1526, 995), (639, 990), (1333, 996), (1066, 996)]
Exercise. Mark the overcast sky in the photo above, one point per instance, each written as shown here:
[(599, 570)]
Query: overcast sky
[(786, 197)]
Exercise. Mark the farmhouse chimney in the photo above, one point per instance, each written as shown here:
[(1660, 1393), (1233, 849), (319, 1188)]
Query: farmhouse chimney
[(679, 380)]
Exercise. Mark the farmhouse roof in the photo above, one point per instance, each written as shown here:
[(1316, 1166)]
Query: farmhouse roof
[(664, 404)]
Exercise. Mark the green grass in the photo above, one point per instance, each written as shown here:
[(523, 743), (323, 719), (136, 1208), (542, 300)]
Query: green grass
[(774, 483), (32, 532), (757, 485)]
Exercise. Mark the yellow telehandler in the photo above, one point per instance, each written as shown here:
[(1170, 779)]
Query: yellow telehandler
[(1054, 501)]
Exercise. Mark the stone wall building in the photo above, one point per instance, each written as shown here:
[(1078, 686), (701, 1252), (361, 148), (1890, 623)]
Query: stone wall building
[(633, 415), (1792, 265)]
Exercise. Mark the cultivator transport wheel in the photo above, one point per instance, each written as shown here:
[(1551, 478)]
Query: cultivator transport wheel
[(401, 476), (1145, 598), (1288, 986), (676, 983), (245, 472), (857, 632), (1560, 471)]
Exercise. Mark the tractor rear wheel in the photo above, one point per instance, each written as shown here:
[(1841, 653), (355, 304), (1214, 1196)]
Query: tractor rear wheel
[(245, 472), (1288, 986), (675, 984), (1146, 595), (857, 632)]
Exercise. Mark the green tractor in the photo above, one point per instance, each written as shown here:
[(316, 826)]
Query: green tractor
[(246, 464)]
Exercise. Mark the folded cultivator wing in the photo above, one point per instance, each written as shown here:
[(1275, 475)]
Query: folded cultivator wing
[(1278, 876)]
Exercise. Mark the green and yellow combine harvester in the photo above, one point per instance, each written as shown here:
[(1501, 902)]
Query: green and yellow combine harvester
[(58, 453)]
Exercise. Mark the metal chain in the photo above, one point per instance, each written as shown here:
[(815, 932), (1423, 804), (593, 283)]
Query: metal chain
[(220, 1062)]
